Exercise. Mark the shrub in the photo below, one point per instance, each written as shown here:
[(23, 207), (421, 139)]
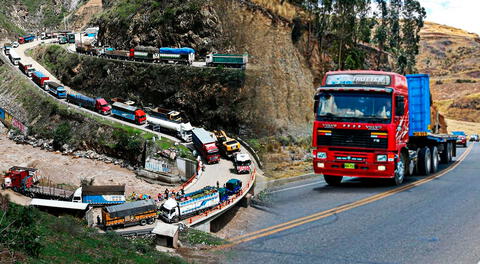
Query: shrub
[(62, 135)]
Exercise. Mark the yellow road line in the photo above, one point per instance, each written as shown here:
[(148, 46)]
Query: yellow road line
[(317, 216)]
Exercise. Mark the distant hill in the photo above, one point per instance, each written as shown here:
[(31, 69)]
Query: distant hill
[(452, 57)]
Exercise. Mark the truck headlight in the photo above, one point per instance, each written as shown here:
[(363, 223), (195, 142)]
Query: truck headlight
[(381, 158), (381, 168), (320, 165), (321, 155)]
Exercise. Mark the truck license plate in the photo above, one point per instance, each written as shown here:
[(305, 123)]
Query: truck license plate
[(349, 165)]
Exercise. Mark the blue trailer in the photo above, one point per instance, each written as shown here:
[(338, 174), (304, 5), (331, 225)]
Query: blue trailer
[(56, 89), (98, 104), (177, 55), (427, 146), (100, 195)]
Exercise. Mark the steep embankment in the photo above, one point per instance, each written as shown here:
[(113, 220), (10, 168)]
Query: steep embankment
[(208, 96), (451, 56), (278, 81), (48, 119)]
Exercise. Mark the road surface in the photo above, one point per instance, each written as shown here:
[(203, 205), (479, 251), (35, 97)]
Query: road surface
[(436, 221)]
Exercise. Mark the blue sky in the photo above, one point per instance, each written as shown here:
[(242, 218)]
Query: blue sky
[(464, 14)]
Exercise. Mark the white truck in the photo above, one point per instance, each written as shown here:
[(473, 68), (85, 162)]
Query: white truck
[(175, 209), (182, 130), (100, 195), (14, 58)]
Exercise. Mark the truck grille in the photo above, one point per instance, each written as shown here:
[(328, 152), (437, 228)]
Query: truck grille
[(352, 138)]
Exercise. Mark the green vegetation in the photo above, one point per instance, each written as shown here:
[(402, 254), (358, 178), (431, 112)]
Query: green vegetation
[(197, 237), (344, 29), (6, 24), (30, 236)]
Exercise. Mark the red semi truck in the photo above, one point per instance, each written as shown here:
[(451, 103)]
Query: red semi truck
[(39, 78), (376, 124), (27, 69), (205, 143)]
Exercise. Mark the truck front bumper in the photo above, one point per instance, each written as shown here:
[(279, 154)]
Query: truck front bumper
[(361, 169)]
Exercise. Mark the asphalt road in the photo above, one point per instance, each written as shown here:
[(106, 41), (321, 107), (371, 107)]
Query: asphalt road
[(426, 220)]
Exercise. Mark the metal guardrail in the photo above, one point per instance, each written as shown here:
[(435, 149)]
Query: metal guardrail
[(251, 150)]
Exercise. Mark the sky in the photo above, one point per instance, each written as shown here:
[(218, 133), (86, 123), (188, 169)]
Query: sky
[(463, 14)]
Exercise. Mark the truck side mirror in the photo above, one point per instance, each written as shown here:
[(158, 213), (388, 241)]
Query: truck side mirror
[(399, 105), (315, 104)]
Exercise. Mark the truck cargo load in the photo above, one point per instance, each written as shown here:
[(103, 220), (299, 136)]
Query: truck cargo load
[(27, 69), (205, 143), (227, 60), (98, 104), (56, 89), (139, 212), (26, 39), (177, 55), (361, 130), (100, 195), (6, 48), (130, 113), (39, 78), (14, 57), (167, 114)]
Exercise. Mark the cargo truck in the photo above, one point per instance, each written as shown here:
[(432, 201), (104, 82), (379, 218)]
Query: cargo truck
[(146, 54), (177, 55), (100, 195), (181, 207), (118, 54), (242, 163), (24, 180), (376, 124), (26, 39), (181, 130), (133, 213), (71, 38), (205, 143), (227, 145), (227, 60), (56, 89), (129, 112), (190, 204), (39, 78), (27, 69), (14, 58), (6, 48), (98, 104)]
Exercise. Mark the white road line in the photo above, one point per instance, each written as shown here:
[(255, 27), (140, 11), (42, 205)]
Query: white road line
[(298, 187)]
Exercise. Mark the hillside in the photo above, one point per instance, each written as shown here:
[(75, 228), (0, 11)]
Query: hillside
[(451, 56)]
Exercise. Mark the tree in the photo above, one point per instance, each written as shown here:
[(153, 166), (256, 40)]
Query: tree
[(413, 16)]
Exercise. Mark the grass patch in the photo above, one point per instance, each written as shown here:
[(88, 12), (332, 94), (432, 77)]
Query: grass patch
[(197, 237)]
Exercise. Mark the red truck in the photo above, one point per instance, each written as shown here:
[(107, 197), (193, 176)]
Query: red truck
[(27, 69), (376, 124), (205, 143), (19, 178), (39, 78)]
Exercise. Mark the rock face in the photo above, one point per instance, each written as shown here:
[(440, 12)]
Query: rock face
[(178, 23)]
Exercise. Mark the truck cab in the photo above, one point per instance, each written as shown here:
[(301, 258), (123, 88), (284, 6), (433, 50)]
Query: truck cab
[(372, 124), (19, 178), (102, 106), (56, 89), (242, 163)]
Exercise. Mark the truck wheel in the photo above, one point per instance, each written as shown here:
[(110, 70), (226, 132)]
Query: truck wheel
[(450, 151), (424, 161), (151, 221), (332, 180), (465, 145), (109, 229), (143, 222), (434, 152), (399, 171), (444, 156), (176, 219)]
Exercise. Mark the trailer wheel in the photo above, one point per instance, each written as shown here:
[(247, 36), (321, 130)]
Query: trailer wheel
[(399, 171), (109, 229), (143, 222), (332, 180), (444, 156), (434, 152), (424, 161), (450, 146), (151, 221)]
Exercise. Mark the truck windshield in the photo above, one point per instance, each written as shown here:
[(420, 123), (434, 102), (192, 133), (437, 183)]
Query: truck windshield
[(354, 107)]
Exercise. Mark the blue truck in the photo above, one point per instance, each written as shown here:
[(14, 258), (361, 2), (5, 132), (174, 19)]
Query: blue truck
[(98, 104), (129, 112), (56, 89), (100, 195)]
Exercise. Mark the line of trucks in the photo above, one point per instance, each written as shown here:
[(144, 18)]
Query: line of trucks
[(116, 211), (184, 56), (376, 124)]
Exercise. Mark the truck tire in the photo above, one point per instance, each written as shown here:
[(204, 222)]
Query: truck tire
[(143, 222), (465, 144), (434, 160), (332, 180), (424, 161), (400, 171), (451, 151), (444, 156), (109, 228), (151, 221)]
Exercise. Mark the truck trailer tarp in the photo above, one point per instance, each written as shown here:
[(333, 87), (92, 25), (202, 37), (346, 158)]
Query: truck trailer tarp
[(131, 208)]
